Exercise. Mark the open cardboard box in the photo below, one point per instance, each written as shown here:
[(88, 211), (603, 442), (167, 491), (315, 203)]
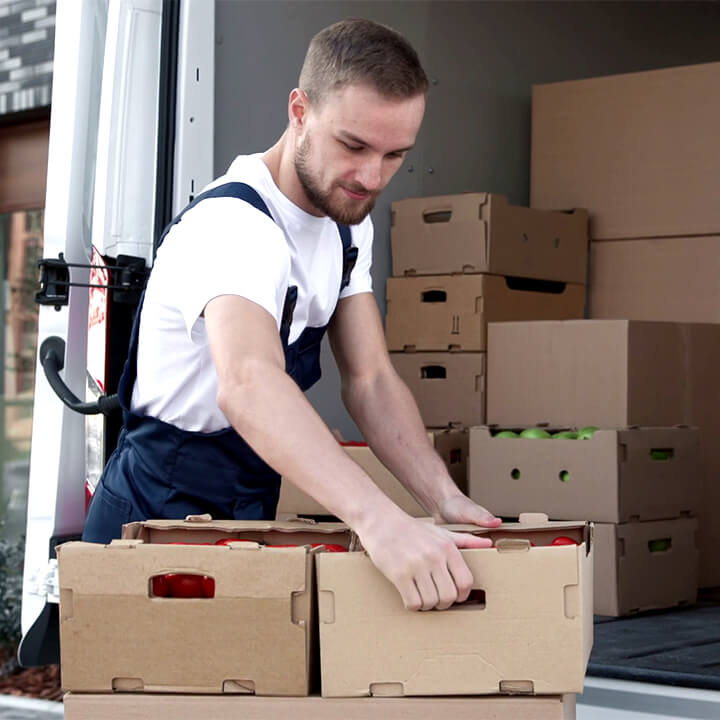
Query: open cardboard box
[(451, 312), (449, 388), (179, 707), (645, 565), (254, 634), (450, 444), (483, 233), (529, 629), (616, 475)]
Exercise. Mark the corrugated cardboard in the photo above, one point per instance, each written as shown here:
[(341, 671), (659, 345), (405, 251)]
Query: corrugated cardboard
[(451, 312), (615, 476), (192, 707), (451, 445), (449, 388), (532, 633), (254, 636), (640, 150), (483, 233), (672, 279), (615, 373), (645, 566)]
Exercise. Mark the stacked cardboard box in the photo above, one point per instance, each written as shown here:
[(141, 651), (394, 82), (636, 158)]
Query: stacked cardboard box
[(450, 444), (641, 487), (616, 374), (242, 639), (459, 262), (641, 152)]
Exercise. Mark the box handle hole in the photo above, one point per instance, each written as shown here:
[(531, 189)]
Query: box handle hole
[(181, 585), (662, 454), (437, 216), (434, 296)]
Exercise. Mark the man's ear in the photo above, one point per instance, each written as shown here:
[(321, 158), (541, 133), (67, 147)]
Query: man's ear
[(298, 107)]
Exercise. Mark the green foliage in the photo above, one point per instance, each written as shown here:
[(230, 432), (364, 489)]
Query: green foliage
[(11, 569)]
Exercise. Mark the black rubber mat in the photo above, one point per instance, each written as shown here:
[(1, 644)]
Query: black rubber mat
[(672, 647)]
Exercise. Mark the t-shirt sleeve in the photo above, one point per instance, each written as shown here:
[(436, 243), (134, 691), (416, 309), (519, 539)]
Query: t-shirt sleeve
[(360, 278), (224, 246)]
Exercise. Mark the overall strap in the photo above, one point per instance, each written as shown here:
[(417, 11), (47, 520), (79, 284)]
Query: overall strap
[(350, 254), (238, 190)]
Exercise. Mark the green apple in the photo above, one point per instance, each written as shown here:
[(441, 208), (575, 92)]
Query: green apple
[(661, 454), (507, 434), (566, 435), (662, 545), (586, 433), (564, 476), (535, 433)]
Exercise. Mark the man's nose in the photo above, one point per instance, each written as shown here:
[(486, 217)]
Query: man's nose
[(370, 175)]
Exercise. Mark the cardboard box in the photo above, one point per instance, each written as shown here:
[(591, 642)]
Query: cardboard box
[(615, 373), (645, 566), (451, 312), (483, 233), (665, 279), (451, 445), (449, 388), (641, 151), (255, 635), (179, 707), (614, 476), (530, 630), (608, 373)]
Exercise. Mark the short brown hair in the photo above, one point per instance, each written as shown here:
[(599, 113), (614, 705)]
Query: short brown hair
[(354, 52)]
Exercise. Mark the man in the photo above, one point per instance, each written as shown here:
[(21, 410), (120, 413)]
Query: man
[(242, 289)]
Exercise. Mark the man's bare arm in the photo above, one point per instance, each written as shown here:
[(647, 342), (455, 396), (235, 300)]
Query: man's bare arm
[(267, 408)]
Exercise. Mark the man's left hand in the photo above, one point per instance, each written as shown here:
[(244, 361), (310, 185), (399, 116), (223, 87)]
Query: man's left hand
[(460, 509)]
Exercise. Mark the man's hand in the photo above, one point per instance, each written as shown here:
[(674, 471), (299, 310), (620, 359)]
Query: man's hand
[(461, 510), (423, 561)]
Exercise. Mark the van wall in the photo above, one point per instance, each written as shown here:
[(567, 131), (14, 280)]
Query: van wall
[(482, 58)]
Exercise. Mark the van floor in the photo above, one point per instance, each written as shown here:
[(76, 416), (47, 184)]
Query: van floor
[(672, 647)]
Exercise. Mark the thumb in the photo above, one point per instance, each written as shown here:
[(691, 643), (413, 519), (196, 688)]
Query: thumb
[(478, 515), (466, 540)]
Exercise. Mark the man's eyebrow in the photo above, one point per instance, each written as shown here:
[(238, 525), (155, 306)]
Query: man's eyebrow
[(359, 141)]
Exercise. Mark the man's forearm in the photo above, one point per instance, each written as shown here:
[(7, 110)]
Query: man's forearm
[(388, 417), (275, 418)]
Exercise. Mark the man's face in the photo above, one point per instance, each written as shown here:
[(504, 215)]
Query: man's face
[(351, 146)]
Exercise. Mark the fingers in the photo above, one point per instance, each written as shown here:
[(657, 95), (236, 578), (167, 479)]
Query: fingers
[(461, 576), (483, 517), (428, 592), (466, 540), (410, 595)]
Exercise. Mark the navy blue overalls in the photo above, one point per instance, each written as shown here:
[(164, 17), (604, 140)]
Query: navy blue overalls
[(161, 471)]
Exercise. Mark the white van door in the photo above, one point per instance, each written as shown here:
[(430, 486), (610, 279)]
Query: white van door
[(130, 144)]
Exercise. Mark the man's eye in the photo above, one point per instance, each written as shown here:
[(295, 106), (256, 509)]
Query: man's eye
[(353, 148)]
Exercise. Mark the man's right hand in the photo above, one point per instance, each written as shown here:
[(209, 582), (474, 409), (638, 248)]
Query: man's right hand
[(422, 560)]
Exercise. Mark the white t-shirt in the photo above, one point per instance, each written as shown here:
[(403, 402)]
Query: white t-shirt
[(224, 246)]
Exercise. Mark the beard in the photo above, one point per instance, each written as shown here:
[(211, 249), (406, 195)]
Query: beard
[(348, 213)]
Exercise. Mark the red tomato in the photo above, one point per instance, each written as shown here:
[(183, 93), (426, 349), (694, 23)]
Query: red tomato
[(228, 540), (329, 547), (564, 540), (183, 585), (159, 586), (208, 586)]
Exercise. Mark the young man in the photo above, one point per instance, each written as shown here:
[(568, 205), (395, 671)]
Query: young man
[(243, 287)]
